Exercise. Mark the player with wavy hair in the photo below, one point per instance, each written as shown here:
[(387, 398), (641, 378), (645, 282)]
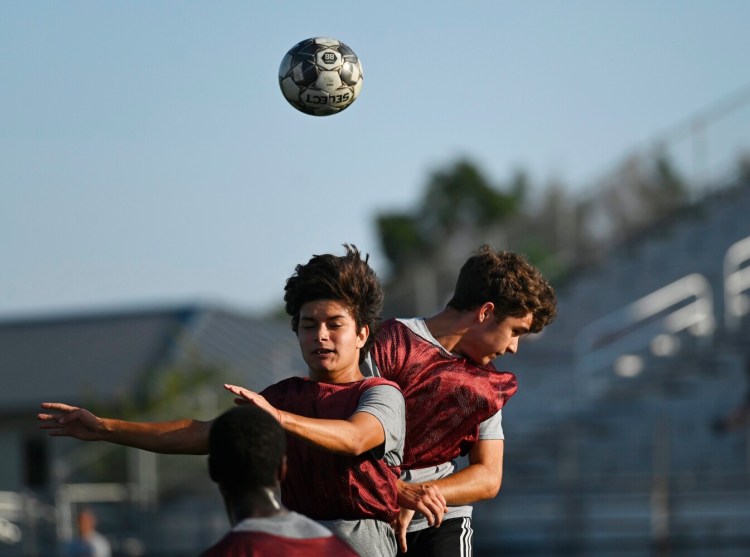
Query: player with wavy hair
[(454, 394), (348, 279), (345, 432)]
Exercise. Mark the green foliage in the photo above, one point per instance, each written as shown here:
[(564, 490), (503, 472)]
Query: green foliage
[(457, 199), (400, 238), (182, 389), (461, 197), (462, 208)]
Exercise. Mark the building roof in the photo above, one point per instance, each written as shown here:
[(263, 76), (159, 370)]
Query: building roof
[(101, 355)]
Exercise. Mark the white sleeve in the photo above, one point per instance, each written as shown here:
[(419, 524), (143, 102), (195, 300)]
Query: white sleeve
[(492, 427)]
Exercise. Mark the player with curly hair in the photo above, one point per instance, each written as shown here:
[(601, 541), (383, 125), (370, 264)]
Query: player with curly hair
[(454, 394)]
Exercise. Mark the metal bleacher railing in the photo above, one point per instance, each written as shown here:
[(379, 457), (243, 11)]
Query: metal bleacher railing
[(736, 284), (617, 341)]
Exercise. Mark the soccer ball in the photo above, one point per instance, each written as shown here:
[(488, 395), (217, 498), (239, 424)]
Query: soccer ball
[(320, 76)]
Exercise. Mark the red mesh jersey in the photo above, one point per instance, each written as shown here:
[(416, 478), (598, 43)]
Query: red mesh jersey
[(447, 396), (324, 485), (260, 544)]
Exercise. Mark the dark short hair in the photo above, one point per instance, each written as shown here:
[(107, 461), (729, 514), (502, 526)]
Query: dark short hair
[(347, 279), (510, 282), (245, 448)]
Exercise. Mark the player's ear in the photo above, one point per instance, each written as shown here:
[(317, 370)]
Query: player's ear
[(281, 474), (364, 334), (486, 311)]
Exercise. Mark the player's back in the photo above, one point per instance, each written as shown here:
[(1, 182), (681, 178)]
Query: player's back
[(289, 534)]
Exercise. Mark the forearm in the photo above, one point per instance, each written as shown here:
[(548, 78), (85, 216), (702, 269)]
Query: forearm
[(338, 436), (474, 483), (353, 436), (174, 437)]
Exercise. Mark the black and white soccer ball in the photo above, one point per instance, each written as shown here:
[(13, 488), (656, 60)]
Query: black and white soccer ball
[(320, 76)]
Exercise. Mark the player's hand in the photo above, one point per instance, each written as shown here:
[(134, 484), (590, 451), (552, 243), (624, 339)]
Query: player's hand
[(399, 525), (425, 498), (70, 421), (246, 396)]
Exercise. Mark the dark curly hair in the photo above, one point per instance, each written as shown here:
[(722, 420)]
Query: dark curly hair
[(245, 448), (510, 282), (347, 279)]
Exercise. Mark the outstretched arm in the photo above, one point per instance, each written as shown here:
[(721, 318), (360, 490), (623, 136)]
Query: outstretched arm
[(177, 437), (353, 436)]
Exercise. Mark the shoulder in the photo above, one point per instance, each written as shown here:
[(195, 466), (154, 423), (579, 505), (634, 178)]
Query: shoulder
[(375, 383), (389, 328), (288, 384), (398, 334), (291, 533)]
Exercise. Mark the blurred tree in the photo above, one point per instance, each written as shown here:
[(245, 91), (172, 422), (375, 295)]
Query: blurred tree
[(462, 208), (400, 239), (463, 197), (187, 388), (190, 388), (642, 189), (459, 199)]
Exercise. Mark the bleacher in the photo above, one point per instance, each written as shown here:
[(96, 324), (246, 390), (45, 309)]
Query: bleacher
[(631, 463)]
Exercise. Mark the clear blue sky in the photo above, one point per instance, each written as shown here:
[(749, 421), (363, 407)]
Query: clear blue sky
[(147, 155)]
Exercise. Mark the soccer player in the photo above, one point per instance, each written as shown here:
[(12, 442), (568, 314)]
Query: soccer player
[(454, 394), (246, 459), (345, 431)]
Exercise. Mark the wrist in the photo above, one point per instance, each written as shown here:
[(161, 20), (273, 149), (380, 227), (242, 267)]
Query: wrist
[(104, 427)]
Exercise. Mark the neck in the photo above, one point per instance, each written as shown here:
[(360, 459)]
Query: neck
[(257, 503), (346, 376), (449, 327)]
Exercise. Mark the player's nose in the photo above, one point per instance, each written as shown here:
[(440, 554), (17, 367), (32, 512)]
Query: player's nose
[(513, 346), (321, 333)]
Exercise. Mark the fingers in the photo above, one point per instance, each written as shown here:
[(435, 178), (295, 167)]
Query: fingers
[(431, 503), (53, 421), (243, 395), (239, 391), (54, 424), (401, 537), (400, 526), (59, 406), (48, 419), (432, 512), (440, 507)]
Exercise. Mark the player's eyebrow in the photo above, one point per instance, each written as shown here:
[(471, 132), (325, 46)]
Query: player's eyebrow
[(327, 318)]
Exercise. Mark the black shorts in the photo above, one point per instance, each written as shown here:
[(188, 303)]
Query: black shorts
[(452, 539)]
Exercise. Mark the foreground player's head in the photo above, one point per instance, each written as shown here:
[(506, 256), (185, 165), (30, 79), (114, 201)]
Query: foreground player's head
[(507, 280), (246, 447), (347, 280)]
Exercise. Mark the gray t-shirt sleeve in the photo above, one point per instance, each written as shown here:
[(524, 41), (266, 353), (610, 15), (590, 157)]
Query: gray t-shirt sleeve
[(492, 427), (386, 403)]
